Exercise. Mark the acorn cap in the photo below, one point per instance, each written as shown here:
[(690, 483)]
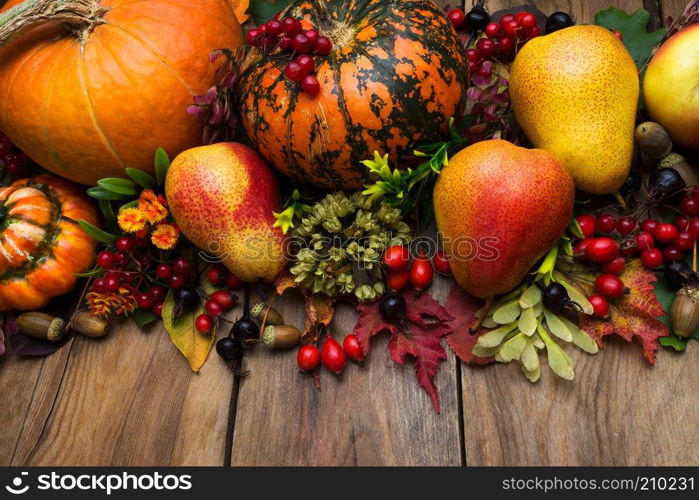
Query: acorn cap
[(268, 336), (670, 160)]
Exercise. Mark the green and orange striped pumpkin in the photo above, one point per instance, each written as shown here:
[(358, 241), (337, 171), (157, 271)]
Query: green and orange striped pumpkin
[(396, 74)]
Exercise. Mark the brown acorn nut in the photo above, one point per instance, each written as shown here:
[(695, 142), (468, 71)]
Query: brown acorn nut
[(685, 311), (259, 309), (281, 336), (91, 326), (42, 326), (678, 163), (653, 140)]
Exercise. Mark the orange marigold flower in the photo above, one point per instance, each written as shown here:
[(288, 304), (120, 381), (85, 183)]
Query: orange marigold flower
[(165, 236), (153, 210), (131, 220)]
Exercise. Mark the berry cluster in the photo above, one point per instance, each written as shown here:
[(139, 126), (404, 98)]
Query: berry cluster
[(16, 163), (419, 273), (331, 354), (219, 301), (289, 36)]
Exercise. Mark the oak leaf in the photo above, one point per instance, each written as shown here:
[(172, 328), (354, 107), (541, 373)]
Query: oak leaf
[(319, 307), (192, 344), (463, 307)]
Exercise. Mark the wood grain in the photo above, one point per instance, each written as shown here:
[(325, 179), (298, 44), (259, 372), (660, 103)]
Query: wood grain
[(581, 11), (374, 415)]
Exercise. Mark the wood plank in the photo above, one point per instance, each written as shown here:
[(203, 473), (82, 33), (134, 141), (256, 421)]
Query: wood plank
[(373, 415), (582, 12), (673, 8), (131, 399)]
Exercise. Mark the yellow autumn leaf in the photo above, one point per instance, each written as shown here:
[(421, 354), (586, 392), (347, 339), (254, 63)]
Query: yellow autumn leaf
[(192, 344), (240, 7)]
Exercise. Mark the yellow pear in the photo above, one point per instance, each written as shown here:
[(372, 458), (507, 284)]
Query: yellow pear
[(574, 93)]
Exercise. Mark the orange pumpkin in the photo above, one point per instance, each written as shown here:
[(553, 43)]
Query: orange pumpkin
[(87, 95), (41, 244)]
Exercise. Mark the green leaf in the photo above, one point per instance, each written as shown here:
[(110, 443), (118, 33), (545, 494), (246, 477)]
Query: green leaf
[(581, 338), (119, 186), (162, 164), (107, 210), (494, 337), (559, 361), (512, 349), (143, 317), (574, 293), (575, 229), (508, 312), (192, 344), (527, 321), (529, 357), (677, 343), (557, 327), (530, 297), (102, 194), (97, 233), (89, 274), (143, 179), (264, 10), (637, 39)]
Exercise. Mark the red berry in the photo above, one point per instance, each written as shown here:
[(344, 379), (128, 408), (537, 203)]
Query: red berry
[(216, 275), (262, 29), (579, 248), (618, 34), (308, 357), (119, 259), (301, 43), (665, 232), (684, 241), (323, 46), (213, 308), (690, 206), (644, 241), (275, 28), (105, 260), (129, 276), (306, 62), (492, 30), (671, 253), (144, 300), (457, 17), (695, 192), (694, 227), (485, 71), (157, 309), (163, 271), (234, 283), (441, 263), (600, 305), (99, 285), (312, 36), (651, 258), (629, 248), (158, 293), (614, 266), (183, 267), (252, 37), (473, 67), (626, 225), (472, 55), (5, 145), (143, 261), (332, 355), (291, 26), (506, 45), (176, 281), (649, 225), (310, 85), (352, 348), (527, 20), (421, 273), (588, 225), (601, 249), (396, 257), (510, 29), (203, 323), (606, 223), (111, 283), (486, 48), (682, 223), (506, 19), (532, 32), (286, 43), (397, 280), (294, 72), (124, 244), (610, 286), (225, 299)]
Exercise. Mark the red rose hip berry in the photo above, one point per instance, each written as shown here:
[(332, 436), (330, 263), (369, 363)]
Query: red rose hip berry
[(601, 249), (606, 223), (457, 17), (610, 286), (308, 358), (588, 224), (614, 266), (397, 280), (441, 263), (600, 305), (651, 258), (203, 323), (352, 348), (665, 232), (332, 356)]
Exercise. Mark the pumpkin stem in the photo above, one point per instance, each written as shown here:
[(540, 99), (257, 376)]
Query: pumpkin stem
[(78, 16)]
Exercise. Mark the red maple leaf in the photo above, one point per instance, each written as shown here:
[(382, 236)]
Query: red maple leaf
[(420, 336), (463, 307), (635, 315)]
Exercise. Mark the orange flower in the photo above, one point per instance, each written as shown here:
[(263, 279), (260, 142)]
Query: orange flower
[(131, 220), (165, 236), (120, 302), (153, 210)]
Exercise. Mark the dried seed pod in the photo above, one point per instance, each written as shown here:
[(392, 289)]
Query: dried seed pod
[(91, 326), (677, 162), (685, 311), (42, 326), (653, 140), (259, 309), (281, 336)]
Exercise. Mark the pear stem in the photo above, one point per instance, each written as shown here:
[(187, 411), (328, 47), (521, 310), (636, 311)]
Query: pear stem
[(619, 198), (476, 325)]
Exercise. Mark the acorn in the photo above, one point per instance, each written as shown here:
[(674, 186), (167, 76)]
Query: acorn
[(685, 311), (259, 309), (653, 140), (281, 336), (42, 326), (91, 326), (678, 163)]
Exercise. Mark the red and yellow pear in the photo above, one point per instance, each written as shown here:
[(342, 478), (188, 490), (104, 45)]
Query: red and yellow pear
[(223, 197), (499, 209)]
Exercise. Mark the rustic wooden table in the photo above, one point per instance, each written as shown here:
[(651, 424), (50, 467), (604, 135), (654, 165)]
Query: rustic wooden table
[(131, 398)]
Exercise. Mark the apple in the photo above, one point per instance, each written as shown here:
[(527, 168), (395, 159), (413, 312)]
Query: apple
[(671, 87)]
